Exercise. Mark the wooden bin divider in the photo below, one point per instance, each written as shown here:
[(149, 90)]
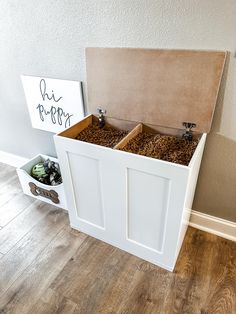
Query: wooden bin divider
[(133, 133)]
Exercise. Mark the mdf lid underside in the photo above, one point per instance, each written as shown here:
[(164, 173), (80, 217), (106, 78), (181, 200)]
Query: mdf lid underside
[(155, 86)]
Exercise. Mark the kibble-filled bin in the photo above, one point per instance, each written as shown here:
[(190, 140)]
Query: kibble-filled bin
[(146, 141), (134, 187)]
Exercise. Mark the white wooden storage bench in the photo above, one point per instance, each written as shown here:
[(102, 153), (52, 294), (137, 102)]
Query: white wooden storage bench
[(138, 203)]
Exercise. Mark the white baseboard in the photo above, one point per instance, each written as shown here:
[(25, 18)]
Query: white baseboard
[(218, 226), (12, 159)]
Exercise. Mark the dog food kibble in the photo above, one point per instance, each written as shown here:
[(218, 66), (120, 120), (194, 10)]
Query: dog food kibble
[(165, 147), (107, 136)]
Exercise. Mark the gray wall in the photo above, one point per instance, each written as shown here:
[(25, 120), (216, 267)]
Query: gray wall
[(48, 37)]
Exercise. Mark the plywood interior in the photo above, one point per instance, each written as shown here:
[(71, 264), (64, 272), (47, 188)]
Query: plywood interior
[(155, 86), (130, 126), (74, 130)]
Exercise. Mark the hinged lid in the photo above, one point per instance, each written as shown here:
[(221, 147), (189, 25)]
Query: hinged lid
[(155, 86)]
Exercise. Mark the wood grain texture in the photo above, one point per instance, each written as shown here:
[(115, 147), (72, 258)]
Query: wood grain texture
[(32, 283), (13, 207), (20, 226), (51, 268), (53, 302), (157, 86), (224, 271), (7, 173), (30, 246), (9, 190), (102, 265), (138, 129), (191, 278), (73, 131)]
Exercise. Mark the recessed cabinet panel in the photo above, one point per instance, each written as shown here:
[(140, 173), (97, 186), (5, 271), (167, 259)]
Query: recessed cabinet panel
[(86, 178), (147, 206)]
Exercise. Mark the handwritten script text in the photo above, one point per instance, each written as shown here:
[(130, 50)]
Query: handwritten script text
[(57, 114)]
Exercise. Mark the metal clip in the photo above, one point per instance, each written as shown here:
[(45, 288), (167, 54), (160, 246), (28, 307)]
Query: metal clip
[(188, 133), (101, 117)]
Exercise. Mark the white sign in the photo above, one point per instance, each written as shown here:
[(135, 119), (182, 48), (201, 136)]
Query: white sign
[(53, 104)]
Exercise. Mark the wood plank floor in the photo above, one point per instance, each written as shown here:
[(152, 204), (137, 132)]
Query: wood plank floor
[(46, 267)]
